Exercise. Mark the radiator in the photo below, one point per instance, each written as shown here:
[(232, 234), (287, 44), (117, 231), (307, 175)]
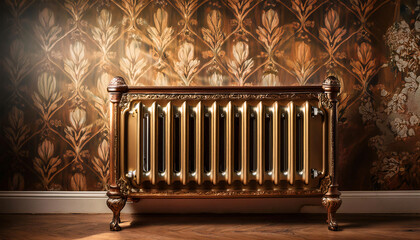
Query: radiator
[(223, 142)]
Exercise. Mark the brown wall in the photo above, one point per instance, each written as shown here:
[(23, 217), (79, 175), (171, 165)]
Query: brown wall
[(58, 57)]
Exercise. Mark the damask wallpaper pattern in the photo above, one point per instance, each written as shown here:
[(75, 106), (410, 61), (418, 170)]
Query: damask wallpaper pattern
[(58, 57)]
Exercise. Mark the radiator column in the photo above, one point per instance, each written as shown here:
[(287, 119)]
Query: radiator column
[(276, 144), (291, 143), (306, 137), (139, 136), (168, 143), (199, 166), (214, 143), (153, 142), (260, 143), (244, 143), (229, 146), (183, 144)]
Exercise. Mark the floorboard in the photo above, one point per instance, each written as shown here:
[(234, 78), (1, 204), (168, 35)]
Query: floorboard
[(210, 226)]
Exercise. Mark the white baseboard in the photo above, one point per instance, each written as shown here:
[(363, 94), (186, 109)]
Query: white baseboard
[(95, 202)]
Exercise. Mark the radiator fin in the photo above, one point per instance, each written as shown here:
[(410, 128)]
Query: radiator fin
[(139, 137), (244, 144), (306, 137), (214, 143), (276, 143), (229, 142), (291, 140), (184, 143), (168, 143), (260, 146), (153, 142), (199, 172)]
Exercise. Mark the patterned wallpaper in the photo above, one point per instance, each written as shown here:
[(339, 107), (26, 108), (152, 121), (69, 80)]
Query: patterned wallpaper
[(59, 55)]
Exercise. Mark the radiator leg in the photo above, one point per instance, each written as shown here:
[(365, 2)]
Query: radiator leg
[(116, 202), (332, 201)]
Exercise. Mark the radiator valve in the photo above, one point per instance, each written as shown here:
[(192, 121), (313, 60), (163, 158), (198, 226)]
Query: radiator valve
[(316, 111), (131, 174), (315, 173)]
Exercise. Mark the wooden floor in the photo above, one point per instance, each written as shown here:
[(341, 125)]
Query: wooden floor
[(215, 226)]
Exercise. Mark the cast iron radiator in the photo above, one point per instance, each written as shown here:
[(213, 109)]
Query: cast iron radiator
[(223, 142)]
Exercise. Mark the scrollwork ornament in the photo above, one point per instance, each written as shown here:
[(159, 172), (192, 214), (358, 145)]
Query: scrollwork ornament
[(325, 183), (124, 186), (129, 97), (198, 193), (324, 101)]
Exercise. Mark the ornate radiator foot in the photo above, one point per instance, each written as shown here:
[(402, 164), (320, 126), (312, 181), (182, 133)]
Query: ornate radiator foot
[(331, 201), (116, 202)]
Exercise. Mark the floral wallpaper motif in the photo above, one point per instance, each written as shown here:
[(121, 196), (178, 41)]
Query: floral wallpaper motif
[(58, 57)]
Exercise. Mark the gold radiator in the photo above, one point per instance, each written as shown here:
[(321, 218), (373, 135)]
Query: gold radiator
[(177, 142), (194, 141)]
